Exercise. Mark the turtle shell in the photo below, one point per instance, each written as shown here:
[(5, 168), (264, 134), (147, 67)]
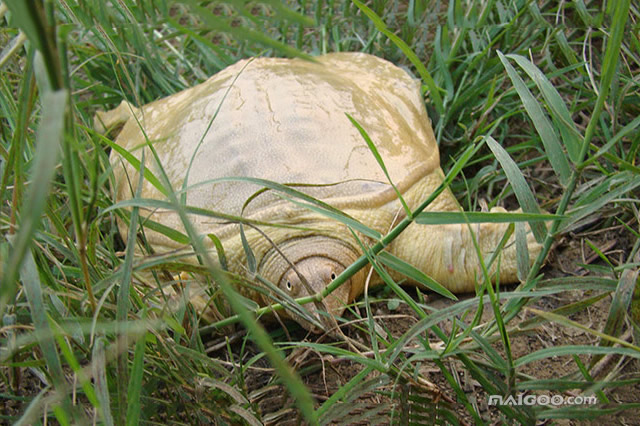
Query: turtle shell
[(286, 120)]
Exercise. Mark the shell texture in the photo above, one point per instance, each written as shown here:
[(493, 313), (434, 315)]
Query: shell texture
[(285, 120)]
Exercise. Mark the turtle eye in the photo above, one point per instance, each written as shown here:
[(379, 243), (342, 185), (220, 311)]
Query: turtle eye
[(288, 284), (333, 276)]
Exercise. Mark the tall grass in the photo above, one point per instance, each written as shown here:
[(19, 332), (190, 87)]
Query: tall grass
[(532, 103)]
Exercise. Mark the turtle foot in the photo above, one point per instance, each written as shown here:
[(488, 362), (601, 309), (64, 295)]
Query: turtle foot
[(448, 254)]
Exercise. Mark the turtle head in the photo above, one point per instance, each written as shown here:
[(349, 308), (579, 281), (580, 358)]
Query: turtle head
[(310, 276), (305, 267)]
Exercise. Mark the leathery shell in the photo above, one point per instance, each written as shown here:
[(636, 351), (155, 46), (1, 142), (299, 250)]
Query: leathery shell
[(285, 120)]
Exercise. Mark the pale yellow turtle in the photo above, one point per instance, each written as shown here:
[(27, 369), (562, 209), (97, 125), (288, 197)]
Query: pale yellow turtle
[(284, 120)]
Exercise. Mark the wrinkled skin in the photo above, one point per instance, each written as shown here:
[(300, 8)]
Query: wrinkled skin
[(318, 272), (284, 120)]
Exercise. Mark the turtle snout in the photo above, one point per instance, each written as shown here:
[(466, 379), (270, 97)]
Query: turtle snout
[(318, 272)]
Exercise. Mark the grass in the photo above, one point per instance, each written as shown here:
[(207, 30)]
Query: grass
[(533, 104)]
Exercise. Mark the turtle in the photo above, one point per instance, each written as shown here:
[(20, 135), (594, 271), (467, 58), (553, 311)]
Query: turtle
[(288, 121)]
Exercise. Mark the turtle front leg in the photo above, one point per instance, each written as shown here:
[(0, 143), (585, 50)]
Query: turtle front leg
[(447, 254)]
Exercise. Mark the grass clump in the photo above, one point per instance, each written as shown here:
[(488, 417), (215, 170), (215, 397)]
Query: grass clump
[(543, 94)]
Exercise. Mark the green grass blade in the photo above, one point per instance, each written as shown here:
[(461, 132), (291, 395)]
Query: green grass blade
[(552, 145), (609, 66), (135, 383), (166, 231), (131, 159), (574, 350), (496, 358), (100, 381), (444, 218), (376, 154), (570, 134), (283, 11), (23, 12), (72, 361), (343, 392), (214, 22), (434, 90), (520, 188), (620, 305), (461, 395), (627, 130), (50, 133), (522, 252), (340, 217), (570, 323), (248, 252), (595, 199), (413, 273), (30, 17), (152, 204), (590, 415), (289, 190), (12, 48), (123, 305), (399, 291), (33, 290)]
